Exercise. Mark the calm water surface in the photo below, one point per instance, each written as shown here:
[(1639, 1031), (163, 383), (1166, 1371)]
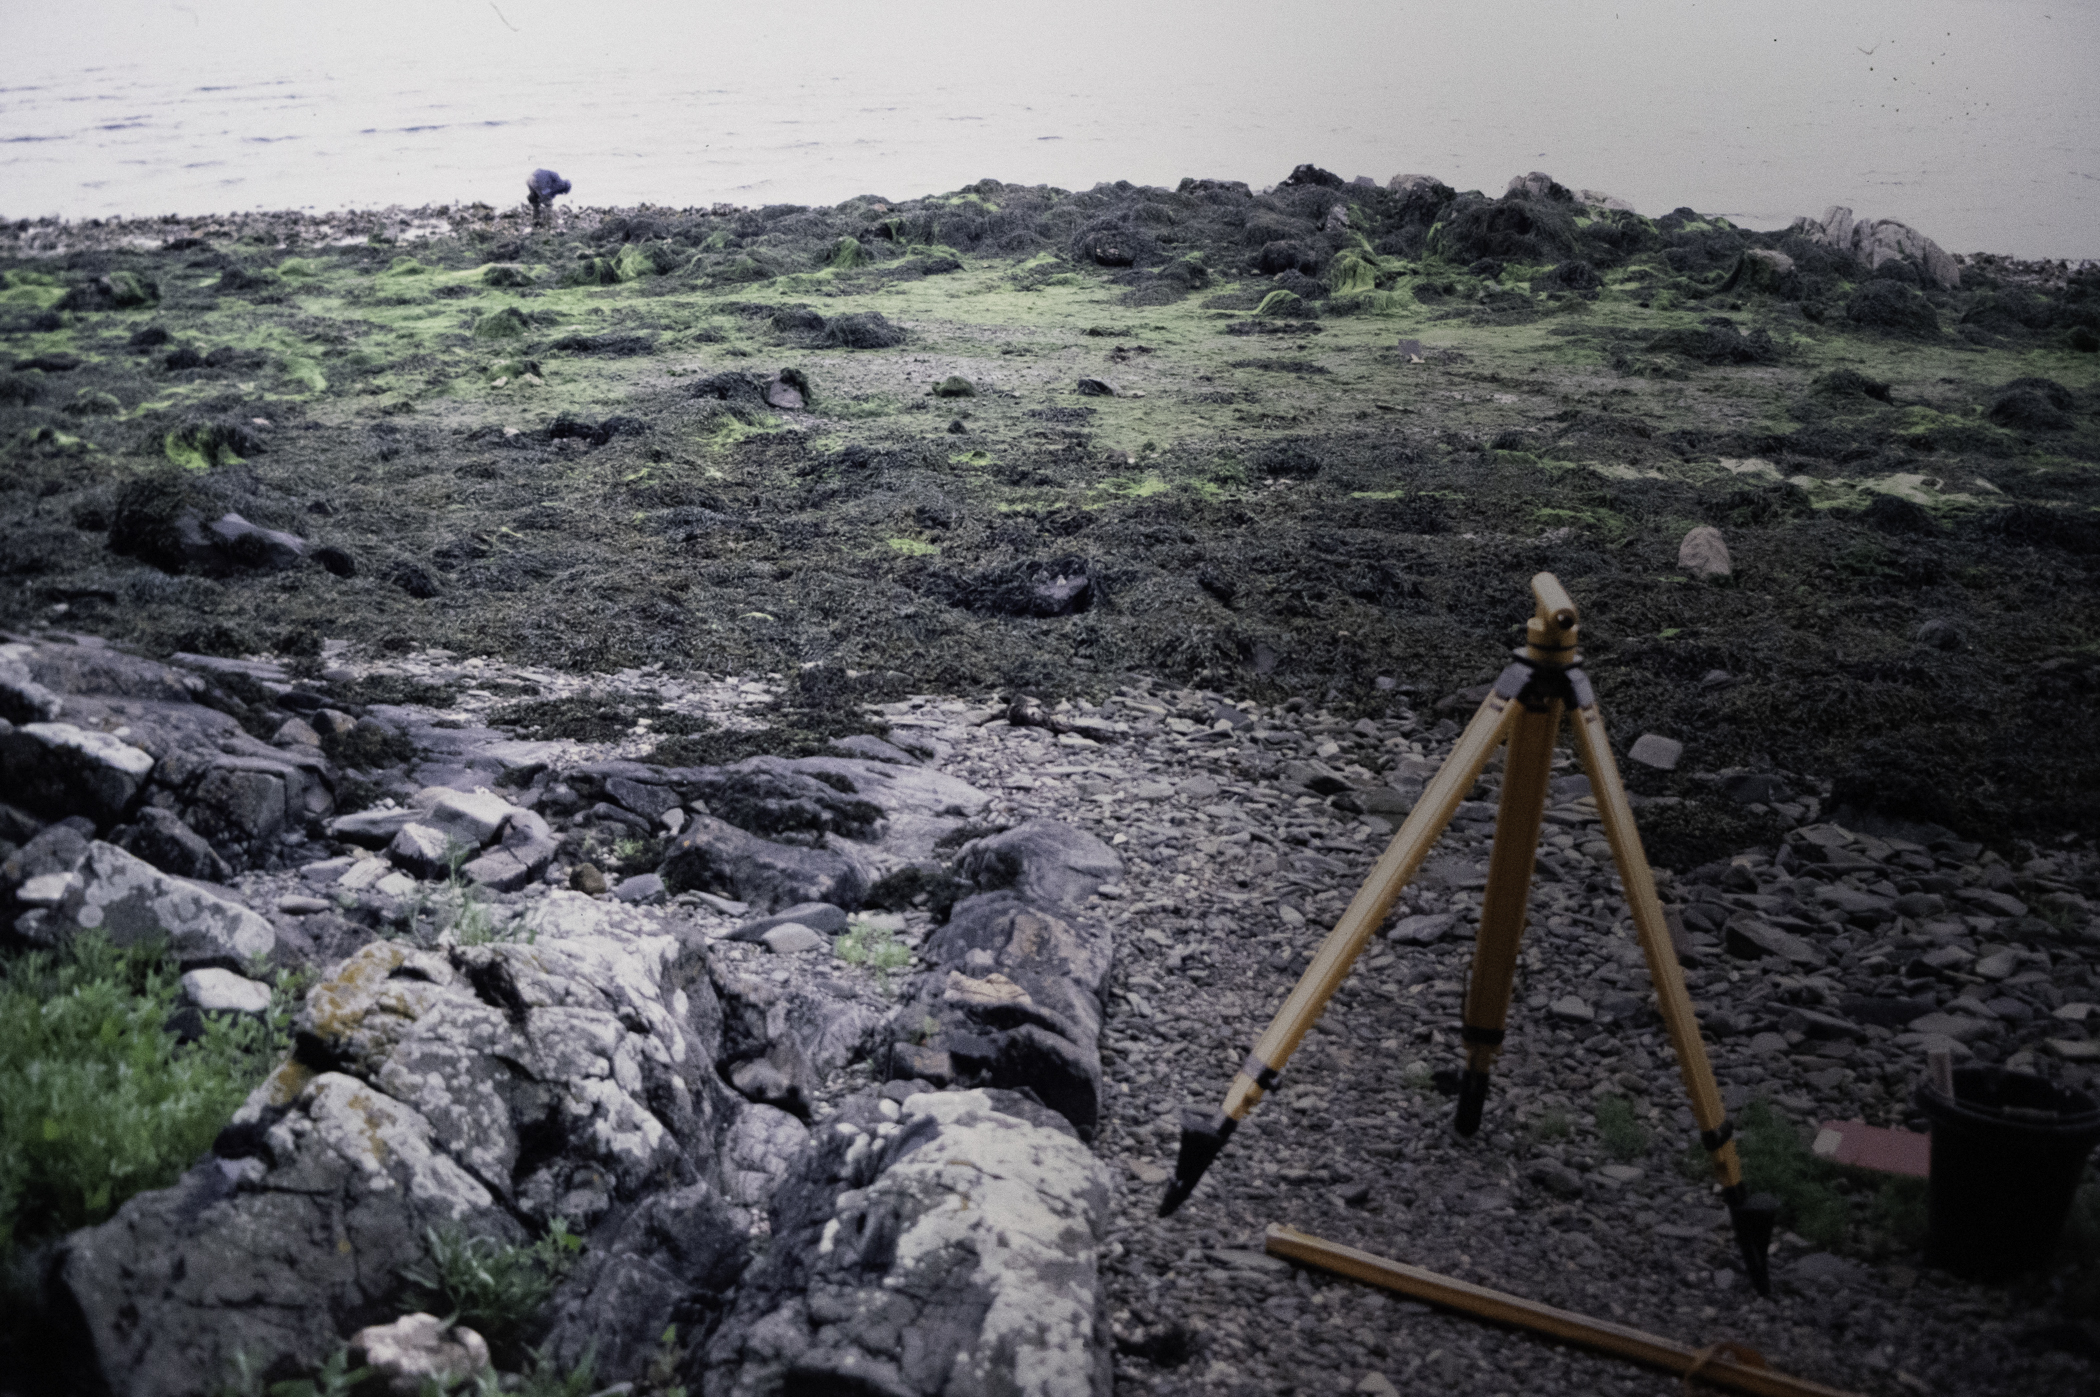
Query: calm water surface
[(1973, 120)]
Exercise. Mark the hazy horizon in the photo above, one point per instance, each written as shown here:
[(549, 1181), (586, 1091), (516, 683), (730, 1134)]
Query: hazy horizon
[(1972, 120)]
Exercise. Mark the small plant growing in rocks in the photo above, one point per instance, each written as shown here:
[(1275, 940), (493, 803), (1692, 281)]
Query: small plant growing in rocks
[(493, 1289), (872, 941)]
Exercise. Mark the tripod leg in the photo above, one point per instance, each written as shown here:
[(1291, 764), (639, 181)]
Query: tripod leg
[(1526, 772), (1202, 1139), (1751, 1216)]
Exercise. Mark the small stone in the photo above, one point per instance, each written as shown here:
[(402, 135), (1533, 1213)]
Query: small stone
[(1653, 749), (1623, 1173), (1096, 388), (1377, 1385), (643, 887), (1557, 1179), (1998, 966), (1572, 1009), (418, 1349), (1704, 553), (586, 879), (1919, 906), (1940, 634), (223, 991), (790, 938), (296, 732), (1423, 929), (301, 905), (395, 884)]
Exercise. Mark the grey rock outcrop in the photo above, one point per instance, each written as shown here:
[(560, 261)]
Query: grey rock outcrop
[(949, 1245), (571, 1075), (1881, 240)]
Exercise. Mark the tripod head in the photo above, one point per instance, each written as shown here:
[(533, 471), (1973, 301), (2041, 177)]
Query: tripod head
[(1549, 637)]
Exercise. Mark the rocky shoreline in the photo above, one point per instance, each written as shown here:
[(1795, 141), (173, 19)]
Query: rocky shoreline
[(1199, 845)]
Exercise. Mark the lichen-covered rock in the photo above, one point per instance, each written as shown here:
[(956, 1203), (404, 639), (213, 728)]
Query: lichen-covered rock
[(489, 1087), (952, 1249), (129, 900)]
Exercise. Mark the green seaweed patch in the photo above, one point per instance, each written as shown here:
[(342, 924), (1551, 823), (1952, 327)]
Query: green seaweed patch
[(508, 323), (405, 266), (200, 446), (304, 372), (31, 291), (913, 548), (1280, 304), (846, 254), (299, 268)]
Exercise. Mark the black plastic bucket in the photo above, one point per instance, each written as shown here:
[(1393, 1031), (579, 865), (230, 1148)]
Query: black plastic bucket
[(2007, 1152)]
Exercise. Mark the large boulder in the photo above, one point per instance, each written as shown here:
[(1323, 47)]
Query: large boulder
[(672, 1261), (129, 900), (950, 1245), (1876, 241), (163, 839), (1016, 991), (1044, 861)]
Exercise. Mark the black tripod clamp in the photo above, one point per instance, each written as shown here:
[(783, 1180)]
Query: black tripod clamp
[(1535, 681)]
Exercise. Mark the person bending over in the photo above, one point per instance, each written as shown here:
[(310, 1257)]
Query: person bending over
[(540, 191)]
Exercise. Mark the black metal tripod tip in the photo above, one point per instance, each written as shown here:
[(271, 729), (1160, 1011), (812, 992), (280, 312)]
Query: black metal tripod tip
[(1472, 1100), (1754, 1216), (1202, 1137)]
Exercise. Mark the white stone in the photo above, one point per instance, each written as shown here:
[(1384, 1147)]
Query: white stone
[(1704, 553), (363, 874), (790, 938), (471, 817), (46, 889), (1653, 749), (222, 990), (417, 1348)]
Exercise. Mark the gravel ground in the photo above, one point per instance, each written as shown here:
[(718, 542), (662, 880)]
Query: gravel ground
[(1824, 970)]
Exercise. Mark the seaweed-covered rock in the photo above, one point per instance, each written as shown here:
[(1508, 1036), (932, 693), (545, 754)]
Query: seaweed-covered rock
[(868, 329), (1894, 309)]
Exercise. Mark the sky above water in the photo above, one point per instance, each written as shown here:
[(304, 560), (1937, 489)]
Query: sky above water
[(1972, 120)]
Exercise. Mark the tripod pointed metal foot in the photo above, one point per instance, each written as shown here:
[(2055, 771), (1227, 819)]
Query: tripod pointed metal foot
[(1472, 1100), (1753, 1216), (1202, 1137)]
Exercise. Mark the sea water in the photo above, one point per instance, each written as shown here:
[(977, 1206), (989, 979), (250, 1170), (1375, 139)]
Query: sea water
[(1972, 120)]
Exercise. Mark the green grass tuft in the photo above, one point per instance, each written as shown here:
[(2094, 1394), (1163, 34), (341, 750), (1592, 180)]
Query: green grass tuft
[(1620, 1131), (494, 1289), (872, 941)]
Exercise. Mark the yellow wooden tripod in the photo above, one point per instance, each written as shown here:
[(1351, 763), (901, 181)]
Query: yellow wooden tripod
[(1525, 709)]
